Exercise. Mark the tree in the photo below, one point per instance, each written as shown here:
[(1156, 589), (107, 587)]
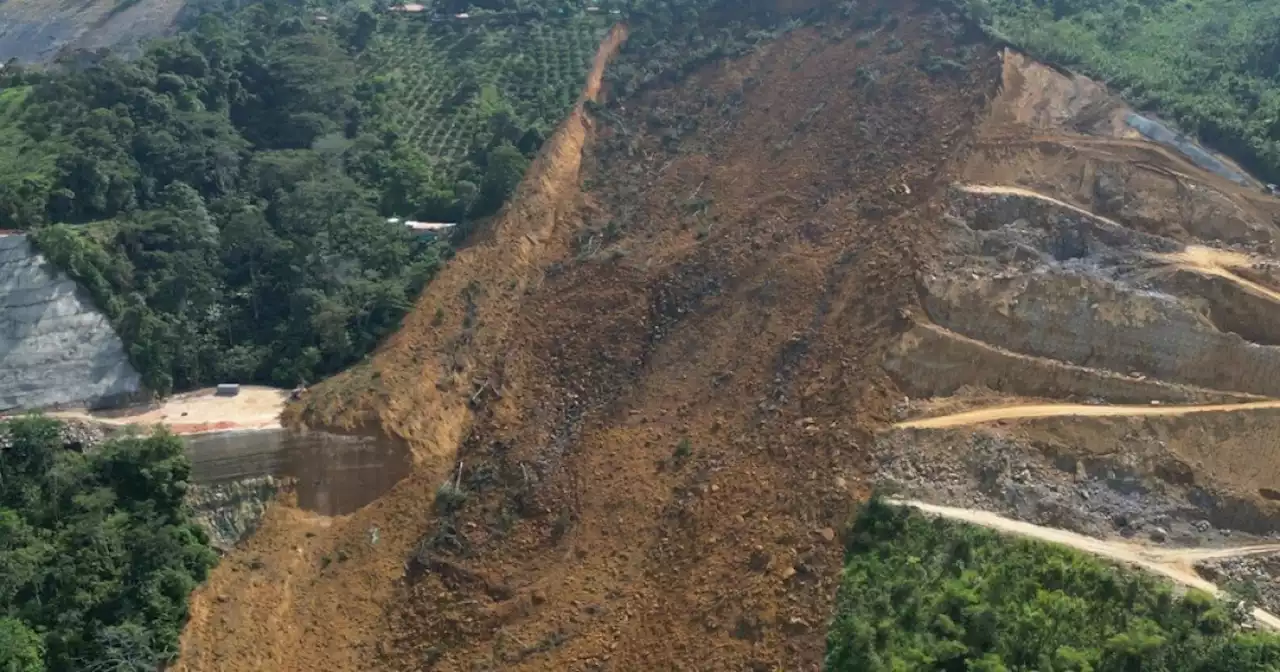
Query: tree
[(20, 649), (366, 26), (98, 551), (504, 168)]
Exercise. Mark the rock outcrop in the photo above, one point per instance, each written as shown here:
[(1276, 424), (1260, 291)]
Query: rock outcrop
[(56, 348), (231, 511)]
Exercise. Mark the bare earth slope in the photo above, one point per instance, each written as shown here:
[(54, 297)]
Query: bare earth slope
[(656, 385), (657, 425)]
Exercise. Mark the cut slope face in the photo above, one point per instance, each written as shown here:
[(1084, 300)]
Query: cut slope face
[(657, 389), (1098, 329), (56, 348), (35, 31)]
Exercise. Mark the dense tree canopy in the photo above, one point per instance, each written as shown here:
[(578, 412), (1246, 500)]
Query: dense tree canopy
[(922, 594), (98, 552), (223, 199)]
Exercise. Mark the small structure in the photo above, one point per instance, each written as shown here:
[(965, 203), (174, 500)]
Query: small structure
[(409, 7), (423, 228), (227, 390), (429, 227)]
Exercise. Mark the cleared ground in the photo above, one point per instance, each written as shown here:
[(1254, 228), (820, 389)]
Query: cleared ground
[(255, 407)]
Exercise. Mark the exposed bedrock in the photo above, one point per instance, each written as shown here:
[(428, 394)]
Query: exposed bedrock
[(1079, 318), (931, 361), (1229, 306)]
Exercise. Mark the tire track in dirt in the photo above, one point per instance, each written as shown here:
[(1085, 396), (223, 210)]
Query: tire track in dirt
[(1033, 411), (1169, 564)]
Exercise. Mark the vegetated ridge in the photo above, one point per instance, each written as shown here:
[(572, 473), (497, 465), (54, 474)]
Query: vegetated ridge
[(226, 197), (939, 594)]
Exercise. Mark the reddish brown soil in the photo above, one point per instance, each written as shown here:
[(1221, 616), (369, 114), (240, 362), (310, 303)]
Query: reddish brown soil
[(660, 424)]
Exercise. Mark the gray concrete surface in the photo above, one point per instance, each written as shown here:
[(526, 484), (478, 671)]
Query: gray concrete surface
[(56, 349), (36, 31)]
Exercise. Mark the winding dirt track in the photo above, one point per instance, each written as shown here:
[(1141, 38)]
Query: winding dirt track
[(1004, 190), (1174, 564), (1215, 263), (1028, 411)]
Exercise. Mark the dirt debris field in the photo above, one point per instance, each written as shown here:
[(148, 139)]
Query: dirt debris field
[(643, 405)]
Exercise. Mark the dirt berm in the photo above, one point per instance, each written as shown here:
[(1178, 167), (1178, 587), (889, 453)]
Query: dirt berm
[(654, 387)]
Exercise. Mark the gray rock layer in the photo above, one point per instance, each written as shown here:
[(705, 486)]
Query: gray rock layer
[(56, 349)]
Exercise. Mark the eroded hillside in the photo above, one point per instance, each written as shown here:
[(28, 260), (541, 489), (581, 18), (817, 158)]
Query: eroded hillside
[(1097, 330), (655, 387), (34, 31)]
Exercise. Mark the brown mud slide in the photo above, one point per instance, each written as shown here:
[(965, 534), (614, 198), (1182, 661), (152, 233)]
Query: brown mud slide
[(644, 401), (655, 393)]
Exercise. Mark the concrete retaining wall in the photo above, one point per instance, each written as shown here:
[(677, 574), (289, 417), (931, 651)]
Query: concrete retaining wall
[(56, 349)]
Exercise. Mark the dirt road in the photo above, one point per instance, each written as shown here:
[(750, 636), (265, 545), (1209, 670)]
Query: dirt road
[(200, 411), (1170, 563), (1215, 263), (1004, 190), (1026, 411)]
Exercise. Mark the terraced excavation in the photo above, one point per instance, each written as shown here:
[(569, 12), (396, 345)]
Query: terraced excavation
[(1096, 343), (643, 404)]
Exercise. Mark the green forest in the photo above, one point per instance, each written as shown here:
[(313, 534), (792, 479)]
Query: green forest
[(225, 197), (919, 593), (98, 552)]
